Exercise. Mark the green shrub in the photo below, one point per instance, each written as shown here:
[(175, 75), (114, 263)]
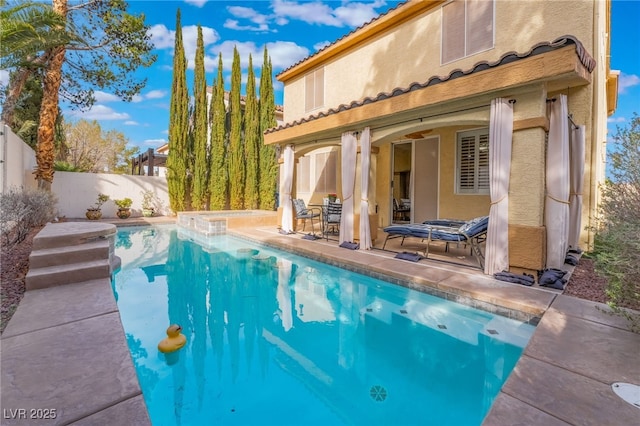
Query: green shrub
[(22, 210), (617, 240)]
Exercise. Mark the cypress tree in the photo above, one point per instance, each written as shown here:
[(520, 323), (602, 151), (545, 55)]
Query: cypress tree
[(268, 160), (178, 126), (199, 197), (236, 149), (251, 141), (217, 159)]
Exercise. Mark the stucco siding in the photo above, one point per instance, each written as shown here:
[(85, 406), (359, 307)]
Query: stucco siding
[(411, 52)]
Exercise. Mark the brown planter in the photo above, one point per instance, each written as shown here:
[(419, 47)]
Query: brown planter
[(123, 213), (93, 214)]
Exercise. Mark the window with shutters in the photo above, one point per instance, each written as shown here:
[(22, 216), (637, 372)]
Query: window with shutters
[(317, 172), (467, 28), (303, 182), (314, 90), (472, 168)]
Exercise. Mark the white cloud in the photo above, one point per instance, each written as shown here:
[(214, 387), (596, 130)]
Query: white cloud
[(4, 77), (616, 120), (131, 123), (320, 45), (627, 80), (232, 24), (162, 37), (155, 94), (196, 3), (190, 40), (103, 97), (101, 112), (348, 14), (356, 14), (285, 53), (282, 53), (248, 13), (312, 12)]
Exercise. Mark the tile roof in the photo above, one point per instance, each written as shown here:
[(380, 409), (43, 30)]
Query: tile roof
[(566, 40)]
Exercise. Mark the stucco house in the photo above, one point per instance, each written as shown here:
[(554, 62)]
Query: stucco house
[(463, 108)]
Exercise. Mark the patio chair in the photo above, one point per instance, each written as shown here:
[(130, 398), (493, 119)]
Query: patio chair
[(472, 232), (304, 213), (400, 210), (333, 213)]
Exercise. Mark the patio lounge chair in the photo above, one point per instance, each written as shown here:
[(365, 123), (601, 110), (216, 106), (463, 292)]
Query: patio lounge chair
[(472, 232)]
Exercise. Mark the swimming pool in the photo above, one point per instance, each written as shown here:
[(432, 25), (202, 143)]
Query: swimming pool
[(274, 338)]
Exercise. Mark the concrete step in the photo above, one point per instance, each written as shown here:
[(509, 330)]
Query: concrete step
[(94, 250), (66, 274), (72, 233)]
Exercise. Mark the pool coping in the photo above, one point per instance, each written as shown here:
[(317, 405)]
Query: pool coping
[(564, 376)]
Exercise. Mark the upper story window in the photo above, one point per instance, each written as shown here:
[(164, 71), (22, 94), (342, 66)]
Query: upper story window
[(314, 90), (472, 165), (467, 28)]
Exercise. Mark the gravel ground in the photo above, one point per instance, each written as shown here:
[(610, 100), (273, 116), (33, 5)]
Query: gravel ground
[(584, 282)]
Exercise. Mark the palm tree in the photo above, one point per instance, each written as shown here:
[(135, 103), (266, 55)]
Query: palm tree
[(27, 31)]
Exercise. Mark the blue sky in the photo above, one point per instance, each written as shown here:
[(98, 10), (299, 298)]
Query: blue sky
[(291, 30)]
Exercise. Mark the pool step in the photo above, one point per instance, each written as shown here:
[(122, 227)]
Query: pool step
[(70, 253), (59, 256), (51, 276)]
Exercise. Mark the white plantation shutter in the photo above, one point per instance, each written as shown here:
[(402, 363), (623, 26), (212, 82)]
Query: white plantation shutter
[(319, 88), (483, 162), (479, 26), (467, 28), (303, 183), (466, 167), (314, 90), (473, 162), (309, 90), (453, 31)]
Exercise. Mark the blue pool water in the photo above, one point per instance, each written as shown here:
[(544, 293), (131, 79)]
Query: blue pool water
[(278, 339)]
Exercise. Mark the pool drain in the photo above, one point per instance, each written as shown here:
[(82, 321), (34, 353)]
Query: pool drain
[(378, 393)]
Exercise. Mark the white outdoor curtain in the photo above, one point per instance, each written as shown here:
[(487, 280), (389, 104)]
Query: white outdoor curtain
[(365, 155), (500, 137), (285, 198), (577, 184), (349, 152), (556, 212), (283, 294)]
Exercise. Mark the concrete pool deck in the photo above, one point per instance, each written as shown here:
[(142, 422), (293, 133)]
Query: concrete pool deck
[(65, 348)]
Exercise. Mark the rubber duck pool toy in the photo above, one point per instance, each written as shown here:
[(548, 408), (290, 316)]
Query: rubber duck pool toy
[(174, 341)]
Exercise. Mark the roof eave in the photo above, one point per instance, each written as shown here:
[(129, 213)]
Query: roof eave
[(383, 23), (563, 66)]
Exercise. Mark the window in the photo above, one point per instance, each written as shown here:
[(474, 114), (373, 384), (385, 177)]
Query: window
[(325, 172), (467, 28), (317, 172), (472, 168), (302, 175), (314, 90)]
